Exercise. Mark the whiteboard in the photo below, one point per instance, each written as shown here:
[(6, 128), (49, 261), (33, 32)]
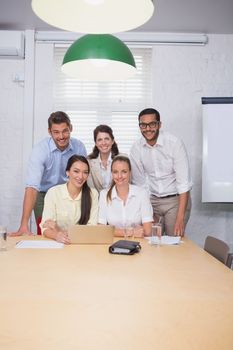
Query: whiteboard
[(217, 149)]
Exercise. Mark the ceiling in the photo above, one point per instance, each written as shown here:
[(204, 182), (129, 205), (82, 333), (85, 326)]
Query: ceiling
[(188, 16)]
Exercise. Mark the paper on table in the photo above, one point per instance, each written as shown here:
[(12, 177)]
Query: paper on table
[(31, 244), (166, 240)]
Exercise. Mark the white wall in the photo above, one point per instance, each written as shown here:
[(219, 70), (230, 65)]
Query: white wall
[(181, 76), (11, 145)]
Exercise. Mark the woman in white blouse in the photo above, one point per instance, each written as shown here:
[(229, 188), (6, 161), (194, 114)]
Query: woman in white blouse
[(123, 204), (100, 159), (71, 203)]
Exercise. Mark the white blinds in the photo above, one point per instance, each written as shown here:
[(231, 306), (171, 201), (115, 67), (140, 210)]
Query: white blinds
[(113, 103)]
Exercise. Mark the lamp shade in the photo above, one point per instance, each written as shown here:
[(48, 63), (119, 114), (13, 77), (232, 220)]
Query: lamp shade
[(94, 16), (99, 57)]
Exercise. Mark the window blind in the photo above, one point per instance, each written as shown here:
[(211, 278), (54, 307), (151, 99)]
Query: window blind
[(116, 104)]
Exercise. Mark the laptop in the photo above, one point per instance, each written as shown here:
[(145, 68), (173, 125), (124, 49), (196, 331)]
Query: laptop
[(91, 234)]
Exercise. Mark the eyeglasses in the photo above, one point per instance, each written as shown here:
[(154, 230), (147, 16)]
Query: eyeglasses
[(152, 125)]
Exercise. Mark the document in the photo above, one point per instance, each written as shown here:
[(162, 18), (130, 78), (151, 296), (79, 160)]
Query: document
[(31, 244), (165, 240)]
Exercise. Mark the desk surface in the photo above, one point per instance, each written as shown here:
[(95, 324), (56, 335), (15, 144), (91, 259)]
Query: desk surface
[(82, 297)]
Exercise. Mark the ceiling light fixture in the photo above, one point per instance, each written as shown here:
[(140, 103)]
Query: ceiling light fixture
[(94, 16), (101, 57)]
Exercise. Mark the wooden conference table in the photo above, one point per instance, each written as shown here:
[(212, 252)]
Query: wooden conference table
[(82, 297)]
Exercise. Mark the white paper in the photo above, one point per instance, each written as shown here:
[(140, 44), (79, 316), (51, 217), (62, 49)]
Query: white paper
[(31, 244), (165, 240), (121, 250)]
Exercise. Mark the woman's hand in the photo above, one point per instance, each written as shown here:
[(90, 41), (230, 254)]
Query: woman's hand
[(119, 232), (51, 224), (138, 231), (62, 237), (55, 232)]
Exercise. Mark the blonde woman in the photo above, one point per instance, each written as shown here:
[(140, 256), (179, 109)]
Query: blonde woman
[(124, 204)]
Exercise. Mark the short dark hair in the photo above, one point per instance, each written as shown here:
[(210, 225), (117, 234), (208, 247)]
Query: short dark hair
[(86, 201), (149, 111), (107, 130), (58, 118)]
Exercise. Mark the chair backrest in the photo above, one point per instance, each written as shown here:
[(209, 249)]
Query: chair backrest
[(38, 221), (217, 248)]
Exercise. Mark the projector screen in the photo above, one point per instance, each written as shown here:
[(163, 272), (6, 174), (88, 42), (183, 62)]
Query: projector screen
[(217, 151)]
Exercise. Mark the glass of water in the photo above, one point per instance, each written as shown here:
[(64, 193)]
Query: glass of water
[(129, 232), (156, 234), (3, 238)]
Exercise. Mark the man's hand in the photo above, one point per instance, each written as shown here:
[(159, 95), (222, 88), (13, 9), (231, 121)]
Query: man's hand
[(179, 224), (23, 230), (179, 227), (28, 205)]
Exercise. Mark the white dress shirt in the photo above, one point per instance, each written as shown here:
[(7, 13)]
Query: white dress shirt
[(106, 172), (165, 165), (136, 211)]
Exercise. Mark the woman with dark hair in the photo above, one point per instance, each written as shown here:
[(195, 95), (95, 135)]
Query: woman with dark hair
[(100, 159), (125, 205), (71, 203)]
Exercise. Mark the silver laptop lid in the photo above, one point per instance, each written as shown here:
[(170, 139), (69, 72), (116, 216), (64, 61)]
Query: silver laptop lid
[(91, 234)]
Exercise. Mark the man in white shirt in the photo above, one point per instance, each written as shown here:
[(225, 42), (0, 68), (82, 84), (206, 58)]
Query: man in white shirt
[(160, 160)]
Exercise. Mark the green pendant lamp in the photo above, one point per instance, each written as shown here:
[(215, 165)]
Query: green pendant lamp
[(94, 16), (99, 57)]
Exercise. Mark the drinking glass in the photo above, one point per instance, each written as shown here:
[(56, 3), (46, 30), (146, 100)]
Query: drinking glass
[(138, 231), (156, 234), (3, 238)]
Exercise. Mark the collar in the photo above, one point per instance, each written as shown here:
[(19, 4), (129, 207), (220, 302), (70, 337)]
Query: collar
[(132, 192), (159, 142), (109, 158), (65, 194), (53, 147), (109, 161)]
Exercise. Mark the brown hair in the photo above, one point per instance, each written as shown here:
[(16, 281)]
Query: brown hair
[(107, 130), (119, 158), (59, 117)]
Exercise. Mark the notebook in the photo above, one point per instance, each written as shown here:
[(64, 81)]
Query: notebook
[(91, 234)]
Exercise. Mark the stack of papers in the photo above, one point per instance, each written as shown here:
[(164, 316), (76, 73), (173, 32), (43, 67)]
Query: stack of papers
[(165, 240), (31, 244)]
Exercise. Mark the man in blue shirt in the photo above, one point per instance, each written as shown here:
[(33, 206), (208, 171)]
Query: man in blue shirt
[(47, 166)]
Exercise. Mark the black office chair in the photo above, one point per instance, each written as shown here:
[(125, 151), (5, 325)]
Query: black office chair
[(218, 249)]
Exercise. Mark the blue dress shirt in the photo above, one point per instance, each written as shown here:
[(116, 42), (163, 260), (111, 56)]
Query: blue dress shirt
[(47, 163)]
